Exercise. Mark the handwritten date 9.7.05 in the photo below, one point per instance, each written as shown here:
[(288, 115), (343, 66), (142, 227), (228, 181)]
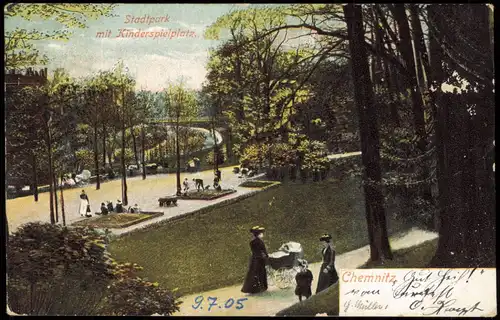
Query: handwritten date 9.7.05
[(212, 303)]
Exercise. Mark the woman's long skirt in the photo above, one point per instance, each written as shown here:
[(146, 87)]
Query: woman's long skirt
[(256, 279), (83, 207), (325, 280)]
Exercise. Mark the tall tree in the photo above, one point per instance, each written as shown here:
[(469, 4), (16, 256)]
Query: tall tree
[(145, 109), (123, 86), (182, 108), (467, 206), (363, 95), (411, 83)]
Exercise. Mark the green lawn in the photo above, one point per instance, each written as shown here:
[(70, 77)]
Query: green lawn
[(209, 251), (328, 300)]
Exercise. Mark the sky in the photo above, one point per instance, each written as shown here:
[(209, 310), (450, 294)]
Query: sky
[(153, 62)]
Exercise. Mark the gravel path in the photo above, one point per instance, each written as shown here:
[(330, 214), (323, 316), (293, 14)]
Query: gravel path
[(143, 192), (271, 302)]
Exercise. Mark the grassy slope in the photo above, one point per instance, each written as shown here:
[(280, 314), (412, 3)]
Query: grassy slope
[(327, 301), (210, 251)]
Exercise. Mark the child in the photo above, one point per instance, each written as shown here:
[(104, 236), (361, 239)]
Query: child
[(186, 185), (110, 207), (119, 207), (304, 280), (104, 209)]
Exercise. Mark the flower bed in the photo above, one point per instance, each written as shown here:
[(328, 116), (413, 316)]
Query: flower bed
[(257, 184), (117, 220), (206, 194)]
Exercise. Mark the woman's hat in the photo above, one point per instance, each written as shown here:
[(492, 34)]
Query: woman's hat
[(325, 237), (257, 229)]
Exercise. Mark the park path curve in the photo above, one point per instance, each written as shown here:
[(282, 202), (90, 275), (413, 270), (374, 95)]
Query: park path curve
[(143, 192), (274, 300)]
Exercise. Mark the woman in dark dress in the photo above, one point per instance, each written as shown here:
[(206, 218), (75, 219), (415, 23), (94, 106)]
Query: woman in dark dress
[(327, 274), (256, 279)]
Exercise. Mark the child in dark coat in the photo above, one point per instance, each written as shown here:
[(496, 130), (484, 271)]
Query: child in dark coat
[(304, 281)]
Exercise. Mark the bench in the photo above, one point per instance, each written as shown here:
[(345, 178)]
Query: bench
[(166, 201)]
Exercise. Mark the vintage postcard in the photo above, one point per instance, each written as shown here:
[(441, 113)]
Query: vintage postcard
[(250, 159)]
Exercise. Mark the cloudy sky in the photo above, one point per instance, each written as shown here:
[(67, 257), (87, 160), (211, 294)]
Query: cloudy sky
[(152, 61)]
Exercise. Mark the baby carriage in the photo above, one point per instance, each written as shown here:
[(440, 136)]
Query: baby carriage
[(283, 264)]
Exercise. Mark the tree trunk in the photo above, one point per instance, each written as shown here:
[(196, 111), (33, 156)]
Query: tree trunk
[(216, 146), (96, 159), (143, 160), (166, 143), (54, 179), (35, 178), (135, 146), (51, 190), (467, 214), (124, 172), (439, 108), (104, 134), (62, 204), (178, 158), (415, 92), (371, 58), (363, 93), (419, 45), (229, 144)]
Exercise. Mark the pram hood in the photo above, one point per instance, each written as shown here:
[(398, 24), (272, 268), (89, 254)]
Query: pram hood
[(291, 247)]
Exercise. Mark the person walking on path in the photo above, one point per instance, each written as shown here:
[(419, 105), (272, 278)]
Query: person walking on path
[(84, 205), (327, 274), (304, 280), (256, 278)]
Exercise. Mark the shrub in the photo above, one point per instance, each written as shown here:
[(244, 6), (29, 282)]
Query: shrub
[(85, 158), (220, 157), (129, 155), (256, 184), (254, 156), (55, 270)]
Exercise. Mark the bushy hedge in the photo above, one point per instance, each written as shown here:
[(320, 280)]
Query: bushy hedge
[(55, 270), (220, 157)]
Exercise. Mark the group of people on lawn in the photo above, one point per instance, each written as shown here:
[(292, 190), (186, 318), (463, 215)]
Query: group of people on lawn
[(199, 183), (256, 279), (86, 211)]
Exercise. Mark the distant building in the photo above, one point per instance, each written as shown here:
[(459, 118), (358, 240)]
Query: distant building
[(17, 79)]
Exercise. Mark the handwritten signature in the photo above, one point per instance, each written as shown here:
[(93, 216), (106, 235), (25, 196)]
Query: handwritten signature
[(446, 306), (364, 305)]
